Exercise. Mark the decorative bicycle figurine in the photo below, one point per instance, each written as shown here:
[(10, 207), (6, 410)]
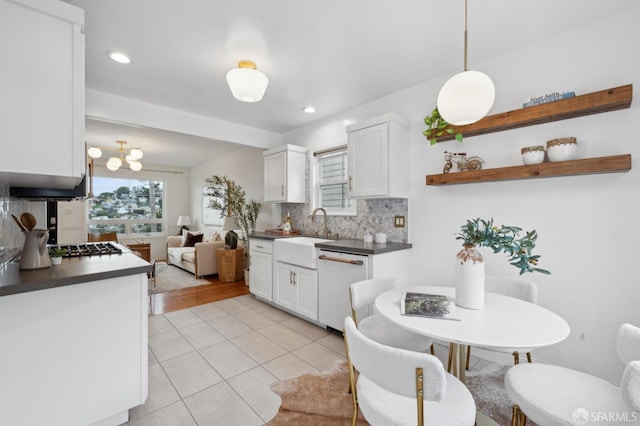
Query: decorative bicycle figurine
[(460, 158)]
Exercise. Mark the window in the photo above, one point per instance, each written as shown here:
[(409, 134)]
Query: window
[(127, 206), (331, 188)]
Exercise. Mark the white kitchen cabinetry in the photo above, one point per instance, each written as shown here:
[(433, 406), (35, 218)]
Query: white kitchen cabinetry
[(378, 151), (296, 289), (76, 354), (42, 84), (260, 252), (284, 174)]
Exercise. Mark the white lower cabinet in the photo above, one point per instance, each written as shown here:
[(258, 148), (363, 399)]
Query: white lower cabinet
[(261, 268), (296, 289)]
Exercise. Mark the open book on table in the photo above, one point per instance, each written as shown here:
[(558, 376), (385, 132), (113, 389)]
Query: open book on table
[(428, 306)]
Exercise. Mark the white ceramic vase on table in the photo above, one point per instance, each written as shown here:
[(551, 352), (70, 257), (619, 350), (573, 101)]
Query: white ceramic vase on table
[(469, 278)]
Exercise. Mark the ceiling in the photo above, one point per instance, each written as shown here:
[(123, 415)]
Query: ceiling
[(332, 54)]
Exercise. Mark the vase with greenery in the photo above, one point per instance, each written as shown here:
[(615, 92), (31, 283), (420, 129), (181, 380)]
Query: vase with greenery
[(506, 239), (470, 264), (230, 198), (437, 127)]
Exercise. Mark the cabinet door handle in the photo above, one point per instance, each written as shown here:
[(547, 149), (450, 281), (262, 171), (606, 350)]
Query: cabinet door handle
[(282, 190), (290, 277), (259, 247), (350, 184), (295, 278)]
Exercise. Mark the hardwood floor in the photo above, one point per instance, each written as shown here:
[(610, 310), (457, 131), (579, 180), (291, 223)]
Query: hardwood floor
[(169, 301)]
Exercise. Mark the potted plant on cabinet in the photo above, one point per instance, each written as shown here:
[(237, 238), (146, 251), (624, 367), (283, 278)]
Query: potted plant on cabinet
[(470, 264)]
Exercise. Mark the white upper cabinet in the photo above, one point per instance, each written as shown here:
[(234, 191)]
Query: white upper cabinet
[(42, 85), (284, 174), (378, 163)]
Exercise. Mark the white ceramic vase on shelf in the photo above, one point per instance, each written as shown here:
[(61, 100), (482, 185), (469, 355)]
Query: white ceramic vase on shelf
[(469, 278)]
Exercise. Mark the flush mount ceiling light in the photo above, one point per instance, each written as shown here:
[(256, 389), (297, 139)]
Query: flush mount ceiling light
[(309, 109), (467, 96), (119, 57), (247, 84), (132, 157)]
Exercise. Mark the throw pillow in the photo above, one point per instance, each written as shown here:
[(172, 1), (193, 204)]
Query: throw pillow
[(184, 236), (192, 239)]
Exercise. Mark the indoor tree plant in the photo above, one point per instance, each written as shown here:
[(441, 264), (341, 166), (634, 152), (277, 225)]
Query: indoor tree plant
[(230, 198), (470, 264), (437, 127)]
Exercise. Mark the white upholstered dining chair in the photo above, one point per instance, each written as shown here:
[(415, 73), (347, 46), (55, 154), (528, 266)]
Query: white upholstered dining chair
[(400, 387), (517, 288), (552, 395), (374, 325)]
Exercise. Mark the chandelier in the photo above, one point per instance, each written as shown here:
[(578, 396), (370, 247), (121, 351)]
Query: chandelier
[(467, 96), (247, 84), (132, 156)]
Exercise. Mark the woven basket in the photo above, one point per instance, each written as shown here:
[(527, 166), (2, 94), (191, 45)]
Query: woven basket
[(561, 141)]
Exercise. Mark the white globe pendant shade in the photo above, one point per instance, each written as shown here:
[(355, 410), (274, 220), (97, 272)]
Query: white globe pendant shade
[(247, 84), (136, 166), (466, 97), (114, 163), (94, 152)]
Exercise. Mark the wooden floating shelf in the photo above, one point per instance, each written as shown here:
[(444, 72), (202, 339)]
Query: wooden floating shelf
[(616, 163), (578, 106)]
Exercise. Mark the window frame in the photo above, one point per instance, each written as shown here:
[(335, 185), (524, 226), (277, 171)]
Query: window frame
[(317, 184), (128, 223)]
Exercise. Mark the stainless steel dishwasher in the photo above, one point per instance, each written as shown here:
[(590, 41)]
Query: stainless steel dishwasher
[(336, 272)]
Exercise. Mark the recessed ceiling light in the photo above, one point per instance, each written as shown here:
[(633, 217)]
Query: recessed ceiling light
[(119, 57), (309, 109)]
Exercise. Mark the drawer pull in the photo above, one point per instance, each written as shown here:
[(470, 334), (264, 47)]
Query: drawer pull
[(337, 259)]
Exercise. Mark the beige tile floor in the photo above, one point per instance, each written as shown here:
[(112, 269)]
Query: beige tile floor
[(214, 364)]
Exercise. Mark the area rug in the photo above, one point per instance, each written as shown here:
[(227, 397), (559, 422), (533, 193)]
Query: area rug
[(169, 277), (323, 398)]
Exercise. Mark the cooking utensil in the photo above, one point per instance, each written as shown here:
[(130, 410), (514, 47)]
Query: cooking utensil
[(18, 222), (28, 220)]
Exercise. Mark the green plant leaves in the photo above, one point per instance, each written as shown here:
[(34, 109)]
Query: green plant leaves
[(506, 239)]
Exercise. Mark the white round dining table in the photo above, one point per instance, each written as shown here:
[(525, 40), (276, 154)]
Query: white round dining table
[(503, 323)]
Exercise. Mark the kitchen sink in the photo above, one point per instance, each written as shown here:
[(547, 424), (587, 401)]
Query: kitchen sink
[(299, 251)]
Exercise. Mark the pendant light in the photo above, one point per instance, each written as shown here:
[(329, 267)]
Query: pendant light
[(247, 84), (114, 163), (467, 96)]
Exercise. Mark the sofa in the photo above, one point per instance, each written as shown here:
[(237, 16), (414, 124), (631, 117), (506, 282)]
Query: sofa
[(200, 259)]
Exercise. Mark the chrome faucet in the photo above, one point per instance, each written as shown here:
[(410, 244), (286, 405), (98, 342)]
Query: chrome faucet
[(313, 219)]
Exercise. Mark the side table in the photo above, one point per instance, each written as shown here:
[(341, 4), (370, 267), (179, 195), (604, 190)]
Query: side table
[(143, 248), (230, 264)]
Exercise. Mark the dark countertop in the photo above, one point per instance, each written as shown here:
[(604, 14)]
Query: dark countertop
[(75, 270), (360, 247), (343, 246)]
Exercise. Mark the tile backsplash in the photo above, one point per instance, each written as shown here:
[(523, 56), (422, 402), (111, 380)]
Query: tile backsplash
[(375, 215)]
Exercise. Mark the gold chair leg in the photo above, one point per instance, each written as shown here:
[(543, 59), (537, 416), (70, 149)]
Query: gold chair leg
[(516, 358), (450, 360), (433, 351), (518, 418), (529, 357), (468, 356)]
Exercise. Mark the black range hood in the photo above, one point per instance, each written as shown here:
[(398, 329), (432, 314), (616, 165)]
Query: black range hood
[(51, 194)]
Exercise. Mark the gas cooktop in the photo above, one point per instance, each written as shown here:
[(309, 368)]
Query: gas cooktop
[(90, 249)]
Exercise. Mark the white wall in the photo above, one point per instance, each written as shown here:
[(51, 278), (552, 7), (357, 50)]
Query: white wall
[(587, 224), (245, 167)]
